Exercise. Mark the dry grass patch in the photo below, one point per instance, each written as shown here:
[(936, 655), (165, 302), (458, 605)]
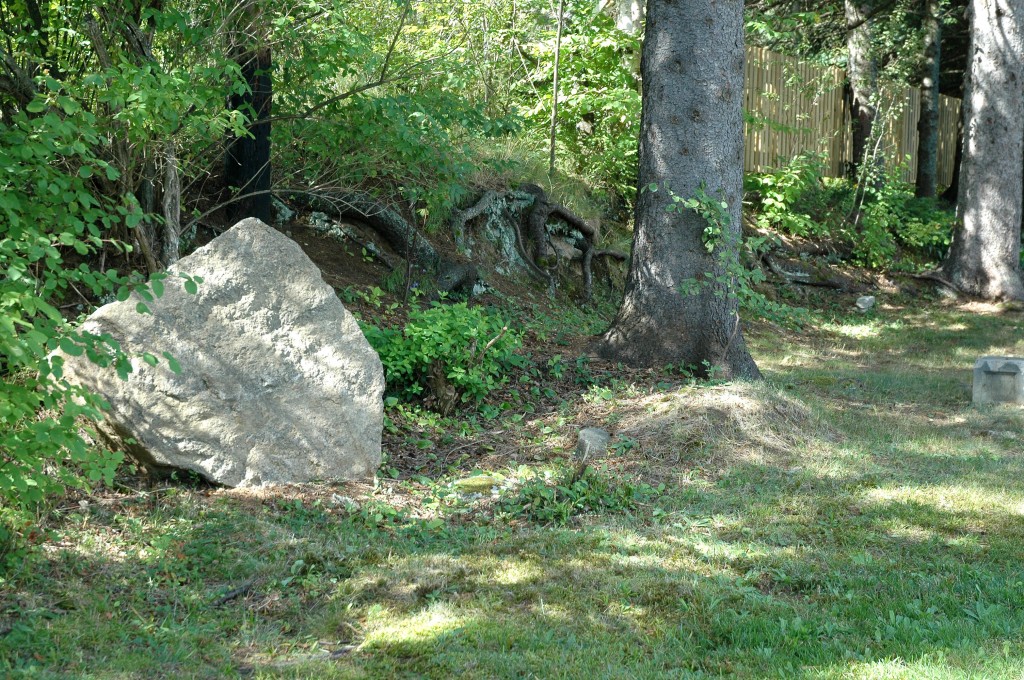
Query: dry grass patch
[(717, 427)]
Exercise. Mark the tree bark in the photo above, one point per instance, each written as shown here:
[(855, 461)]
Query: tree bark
[(952, 192), (247, 161), (984, 257), (691, 138), (863, 75), (629, 16), (928, 124)]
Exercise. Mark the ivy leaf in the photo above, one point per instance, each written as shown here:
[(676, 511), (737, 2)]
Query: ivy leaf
[(172, 363), (71, 348)]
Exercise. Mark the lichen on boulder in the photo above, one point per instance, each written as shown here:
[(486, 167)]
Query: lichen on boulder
[(277, 383)]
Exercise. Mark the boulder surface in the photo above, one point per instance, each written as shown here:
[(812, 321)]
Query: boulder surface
[(277, 383)]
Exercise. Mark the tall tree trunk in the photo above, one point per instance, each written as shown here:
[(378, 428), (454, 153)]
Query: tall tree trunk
[(862, 71), (952, 192), (247, 161), (691, 140), (928, 124), (629, 16), (984, 258)]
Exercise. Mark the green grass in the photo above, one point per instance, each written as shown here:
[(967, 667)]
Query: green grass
[(854, 517)]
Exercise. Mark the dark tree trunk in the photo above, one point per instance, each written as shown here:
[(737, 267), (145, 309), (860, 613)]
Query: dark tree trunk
[(863, 75), (247, 161), (984, 258), (691, 139), (953, 190), (928, 124)]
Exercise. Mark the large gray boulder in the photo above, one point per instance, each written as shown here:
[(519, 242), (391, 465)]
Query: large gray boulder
[(277, 384)]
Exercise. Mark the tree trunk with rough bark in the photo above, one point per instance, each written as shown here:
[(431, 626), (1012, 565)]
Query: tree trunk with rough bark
[(984, 258), (952, 192), (863, 75), (247, 161), (691, 140), (928, 124), (629, 16)]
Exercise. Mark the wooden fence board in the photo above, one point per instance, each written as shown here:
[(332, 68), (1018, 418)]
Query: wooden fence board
[(795, 108)]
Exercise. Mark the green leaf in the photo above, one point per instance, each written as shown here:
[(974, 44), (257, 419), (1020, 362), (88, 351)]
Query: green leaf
[(172, 363), (71, 348), (190, 287), (150, 359), (141, 308)]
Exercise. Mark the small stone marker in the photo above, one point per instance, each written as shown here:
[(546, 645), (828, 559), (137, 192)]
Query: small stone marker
[(999, 380), (865, 302), (592, 443)]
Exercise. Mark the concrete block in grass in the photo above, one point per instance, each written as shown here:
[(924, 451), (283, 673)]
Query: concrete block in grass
[(999, 380)]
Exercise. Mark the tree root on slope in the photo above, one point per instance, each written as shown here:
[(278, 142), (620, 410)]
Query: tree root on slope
[(447, 275), (541, 258)]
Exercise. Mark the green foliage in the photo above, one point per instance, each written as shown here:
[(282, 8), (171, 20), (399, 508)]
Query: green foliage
[(715, 214), (53, 218), (890, 216), (599, 98), (471, 346), (786, 198), (555, 499), (875, 221), (74, 158)]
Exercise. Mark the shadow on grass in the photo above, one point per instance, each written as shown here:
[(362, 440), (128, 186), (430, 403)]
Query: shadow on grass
[(890, 551)]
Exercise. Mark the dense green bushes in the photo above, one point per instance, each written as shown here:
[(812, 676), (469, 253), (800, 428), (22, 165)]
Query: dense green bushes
[(471, 347), (872, 224), (52, 218)]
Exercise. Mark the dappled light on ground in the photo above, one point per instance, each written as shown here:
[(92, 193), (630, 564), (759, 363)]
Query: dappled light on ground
[(835, 521)]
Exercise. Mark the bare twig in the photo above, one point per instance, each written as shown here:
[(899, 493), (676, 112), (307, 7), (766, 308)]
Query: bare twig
[(240, 591)]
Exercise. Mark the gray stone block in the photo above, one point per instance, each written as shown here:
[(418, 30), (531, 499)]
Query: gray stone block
[(999, 380), (592, 443)]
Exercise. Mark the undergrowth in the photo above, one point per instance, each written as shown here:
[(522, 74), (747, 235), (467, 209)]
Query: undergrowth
[(881, 224)]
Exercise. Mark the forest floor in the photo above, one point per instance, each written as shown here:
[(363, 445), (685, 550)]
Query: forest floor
[(851, 516)]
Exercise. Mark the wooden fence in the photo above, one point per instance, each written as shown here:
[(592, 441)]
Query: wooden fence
[(794, 107)]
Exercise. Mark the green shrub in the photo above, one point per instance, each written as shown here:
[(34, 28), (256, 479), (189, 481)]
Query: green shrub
[(892, 216), (471, 346), (871, 221), (572, 493), (51, 215), (791, 199)]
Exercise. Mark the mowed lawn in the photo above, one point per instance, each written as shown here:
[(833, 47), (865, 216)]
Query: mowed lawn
[(852, 517)]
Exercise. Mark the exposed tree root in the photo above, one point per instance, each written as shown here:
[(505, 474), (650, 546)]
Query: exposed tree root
[(536, 249), (531, 215), (448, 276)]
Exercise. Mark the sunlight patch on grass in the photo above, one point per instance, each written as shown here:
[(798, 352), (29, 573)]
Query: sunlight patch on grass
[(423, 626), (959, 497), (856, 331)]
